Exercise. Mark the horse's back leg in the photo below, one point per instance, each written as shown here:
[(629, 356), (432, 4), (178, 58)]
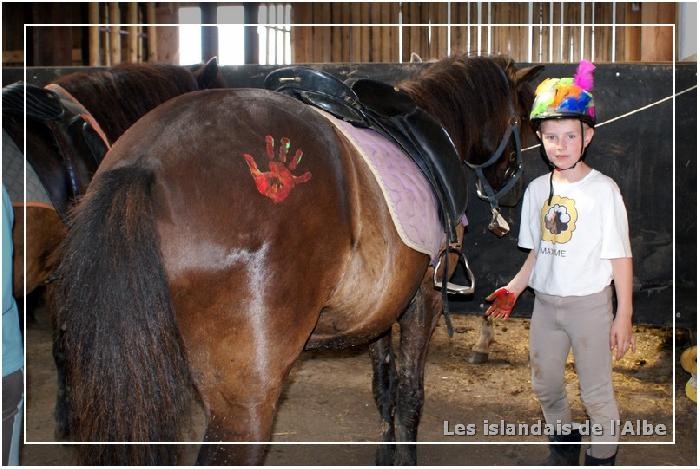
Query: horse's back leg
[(417, 325), (240, 349), (384, 380)]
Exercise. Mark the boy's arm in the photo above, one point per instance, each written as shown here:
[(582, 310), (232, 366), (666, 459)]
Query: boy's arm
[(621, 337), (504, 298), (519, 282)]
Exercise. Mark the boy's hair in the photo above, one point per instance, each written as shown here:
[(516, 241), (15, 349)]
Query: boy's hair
[(562, 98)]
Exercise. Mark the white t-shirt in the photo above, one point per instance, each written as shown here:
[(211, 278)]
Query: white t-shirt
[(576, 236)]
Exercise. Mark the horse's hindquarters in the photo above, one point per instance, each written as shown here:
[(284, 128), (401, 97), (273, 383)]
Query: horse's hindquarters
[(251, 207)]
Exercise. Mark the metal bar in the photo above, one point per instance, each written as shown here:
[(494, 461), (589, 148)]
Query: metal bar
[(529, 31), (583, 21), (614, 19), (551, 31), (478, 28), (488, 28)]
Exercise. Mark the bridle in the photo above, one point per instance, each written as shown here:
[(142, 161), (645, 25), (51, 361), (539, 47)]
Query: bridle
[(498, 225)]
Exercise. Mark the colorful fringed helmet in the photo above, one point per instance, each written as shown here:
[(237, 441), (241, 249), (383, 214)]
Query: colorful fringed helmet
[(561, 98)]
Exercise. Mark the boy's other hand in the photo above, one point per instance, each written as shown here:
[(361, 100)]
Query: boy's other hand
[(621, 338), (503, 302)]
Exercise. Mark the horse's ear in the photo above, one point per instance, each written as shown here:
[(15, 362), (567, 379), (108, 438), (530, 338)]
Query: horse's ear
[(208, 75), (415, 58), (525, 75)]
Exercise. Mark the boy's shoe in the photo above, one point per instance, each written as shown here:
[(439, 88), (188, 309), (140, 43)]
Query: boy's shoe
[(564, 455), (591, 461)]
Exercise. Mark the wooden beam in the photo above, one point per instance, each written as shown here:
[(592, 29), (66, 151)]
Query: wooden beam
[(12, 56), (386, 36), (152, 32), (356, 34), (375, 33), (364, 9), (346, 42), (657, 41), (633, 34), (94, 33), (336, 33), (133, 38), (115, 42)]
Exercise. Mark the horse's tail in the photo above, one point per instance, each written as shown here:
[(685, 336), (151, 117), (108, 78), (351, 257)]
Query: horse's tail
[(126, 373)]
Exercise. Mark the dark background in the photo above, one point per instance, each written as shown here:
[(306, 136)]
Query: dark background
[(636, 151)]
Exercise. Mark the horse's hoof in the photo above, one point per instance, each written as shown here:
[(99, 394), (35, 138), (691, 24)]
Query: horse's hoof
[(478, 358)]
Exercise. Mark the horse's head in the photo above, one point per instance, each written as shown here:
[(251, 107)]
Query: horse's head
[(483, 104)]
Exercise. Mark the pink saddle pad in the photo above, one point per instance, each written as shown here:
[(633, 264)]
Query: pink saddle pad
[(410, 199)]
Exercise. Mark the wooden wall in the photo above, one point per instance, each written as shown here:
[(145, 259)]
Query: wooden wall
[(531, 32), (95, 45), (468, 31)]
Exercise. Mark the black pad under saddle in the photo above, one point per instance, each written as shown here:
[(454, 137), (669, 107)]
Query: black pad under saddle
[(391, 112), (79, 146)]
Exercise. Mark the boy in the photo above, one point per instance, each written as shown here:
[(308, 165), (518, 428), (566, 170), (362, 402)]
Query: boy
[(575, 223)]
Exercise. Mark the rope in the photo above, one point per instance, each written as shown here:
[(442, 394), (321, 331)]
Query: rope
[(634, 111)]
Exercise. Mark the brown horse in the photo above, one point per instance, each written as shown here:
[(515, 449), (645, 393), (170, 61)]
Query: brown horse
[(188, 268), (116, 98)]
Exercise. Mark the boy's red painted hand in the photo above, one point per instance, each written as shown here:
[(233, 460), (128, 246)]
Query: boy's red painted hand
[(503, 303)]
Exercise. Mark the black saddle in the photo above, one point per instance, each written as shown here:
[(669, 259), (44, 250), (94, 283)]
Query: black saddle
[(81, 149), (391, 112)]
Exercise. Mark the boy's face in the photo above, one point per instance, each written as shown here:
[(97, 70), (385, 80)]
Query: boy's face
[(562, 140)]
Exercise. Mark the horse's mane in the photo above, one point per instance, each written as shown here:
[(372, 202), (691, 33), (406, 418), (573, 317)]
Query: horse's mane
[(460, 92), (120, 96)]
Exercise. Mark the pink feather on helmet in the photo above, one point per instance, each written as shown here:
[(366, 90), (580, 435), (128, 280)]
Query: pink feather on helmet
[(584, 75)]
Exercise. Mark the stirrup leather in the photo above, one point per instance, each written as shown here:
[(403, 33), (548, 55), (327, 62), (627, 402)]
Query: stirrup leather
[(453, 288)]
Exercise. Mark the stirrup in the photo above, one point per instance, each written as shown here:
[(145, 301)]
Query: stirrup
[(453, 288)]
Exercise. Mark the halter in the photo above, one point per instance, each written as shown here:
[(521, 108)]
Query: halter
[(499, 226)]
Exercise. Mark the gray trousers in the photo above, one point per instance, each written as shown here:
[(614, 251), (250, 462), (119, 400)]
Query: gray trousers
[(582, 323), (12, 389)]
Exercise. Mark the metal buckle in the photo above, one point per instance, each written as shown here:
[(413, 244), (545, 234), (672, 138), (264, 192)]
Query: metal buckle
[(453, 288)]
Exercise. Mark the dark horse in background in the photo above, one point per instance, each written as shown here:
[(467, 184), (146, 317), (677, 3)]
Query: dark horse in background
[(178, 275), (116, 98)]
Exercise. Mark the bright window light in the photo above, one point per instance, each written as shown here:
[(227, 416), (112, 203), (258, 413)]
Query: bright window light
[(190, 35), (231, 42), (274, 34)]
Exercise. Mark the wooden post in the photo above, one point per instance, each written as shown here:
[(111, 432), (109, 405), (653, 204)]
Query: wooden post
[(336, 34), (375, 33), (633, 34), (346, 42), (133, 11), (657, 41), (94, 33), (52, 45), (364, 9), (115, 42), (152, 32)]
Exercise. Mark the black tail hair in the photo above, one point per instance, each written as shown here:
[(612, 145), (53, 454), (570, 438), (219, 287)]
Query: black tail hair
[(127, 377)]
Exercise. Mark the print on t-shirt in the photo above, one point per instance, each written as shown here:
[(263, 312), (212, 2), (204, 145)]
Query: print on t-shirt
[(558, 220)]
